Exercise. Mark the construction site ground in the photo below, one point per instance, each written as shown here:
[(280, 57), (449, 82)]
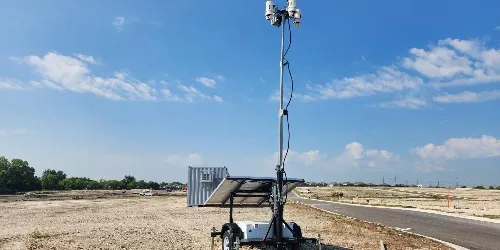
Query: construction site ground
[(123, 220)]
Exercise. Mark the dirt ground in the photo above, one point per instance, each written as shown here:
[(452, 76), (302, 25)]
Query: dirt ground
[(165, 222), (484, 203)]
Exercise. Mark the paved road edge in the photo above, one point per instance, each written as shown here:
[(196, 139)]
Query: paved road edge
[(456, 247), (410, 209)]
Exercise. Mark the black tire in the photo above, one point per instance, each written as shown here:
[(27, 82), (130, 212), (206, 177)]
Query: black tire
[(228, 240)]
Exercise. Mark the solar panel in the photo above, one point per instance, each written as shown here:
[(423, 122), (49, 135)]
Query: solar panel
[(248, 191)]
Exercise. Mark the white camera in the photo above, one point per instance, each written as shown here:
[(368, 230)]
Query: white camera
[(292, 7), (297, 18), (269, 9)]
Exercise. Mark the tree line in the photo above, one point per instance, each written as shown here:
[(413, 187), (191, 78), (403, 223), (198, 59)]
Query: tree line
[(18, 176)]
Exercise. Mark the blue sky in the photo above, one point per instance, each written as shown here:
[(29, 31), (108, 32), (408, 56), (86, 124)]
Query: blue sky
[(382, 89)]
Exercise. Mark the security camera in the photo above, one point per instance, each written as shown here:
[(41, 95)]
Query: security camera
[(269, 9), (292, 7), (297, 18)]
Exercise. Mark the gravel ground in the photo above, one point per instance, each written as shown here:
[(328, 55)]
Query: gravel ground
[(164, 222)]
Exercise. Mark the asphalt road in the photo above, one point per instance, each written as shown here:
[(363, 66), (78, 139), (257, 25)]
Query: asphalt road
[(467, 233)]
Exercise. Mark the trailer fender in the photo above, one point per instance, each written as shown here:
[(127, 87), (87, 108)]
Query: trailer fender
[(233, 227)]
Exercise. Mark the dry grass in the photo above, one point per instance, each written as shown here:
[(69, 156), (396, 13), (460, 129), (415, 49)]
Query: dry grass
[(484, 203), (166, 223)]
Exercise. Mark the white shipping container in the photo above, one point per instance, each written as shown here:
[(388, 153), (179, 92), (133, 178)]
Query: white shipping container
[(202, 182)]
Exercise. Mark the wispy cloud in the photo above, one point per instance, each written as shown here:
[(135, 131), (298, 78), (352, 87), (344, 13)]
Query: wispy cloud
[(118, 22), (191, 94), (388, 79), (409, 102), (2, 132), (207, 82), (85, 58), (468, 97), (497, 28), (11, 84), (448, 63), (73, 73)]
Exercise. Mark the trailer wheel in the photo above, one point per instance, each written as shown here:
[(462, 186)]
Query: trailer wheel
[(228, 240)]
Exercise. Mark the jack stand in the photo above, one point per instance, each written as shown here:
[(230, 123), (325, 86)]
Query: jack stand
[(319, 241), (213, 238)]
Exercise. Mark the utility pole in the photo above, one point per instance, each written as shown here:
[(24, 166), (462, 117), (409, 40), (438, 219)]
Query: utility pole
[(430, 183), (417, 182), (383, 180), (406, 182), (438, 183), (278, 18)]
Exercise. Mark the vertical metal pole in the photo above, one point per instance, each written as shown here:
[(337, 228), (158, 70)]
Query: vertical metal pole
[(213, 239), (231, 199), (279, 172)]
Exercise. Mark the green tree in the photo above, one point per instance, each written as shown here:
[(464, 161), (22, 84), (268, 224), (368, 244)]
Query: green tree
[(129, 182), (153, 185), (114, 184), (51, 178), (142, 184), (479, 187), (491, 187), (4, 168), (21, 177)]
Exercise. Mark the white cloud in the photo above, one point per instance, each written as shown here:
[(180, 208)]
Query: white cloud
[(450, 62), (89, 59), (294, 158), (455, 62), (169, 96), (387, 79), (193, 159), (218, 98), (10, 84), (461, 148), (118, 23), (220, 77), (409, 102), (467, 97), (191, 94), (207, 82), (72, 73), (356, 155), (497, 28)]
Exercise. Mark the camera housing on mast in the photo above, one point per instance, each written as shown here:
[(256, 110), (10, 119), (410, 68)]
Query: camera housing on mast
[(297, 18), (270, 9), (291, 8)]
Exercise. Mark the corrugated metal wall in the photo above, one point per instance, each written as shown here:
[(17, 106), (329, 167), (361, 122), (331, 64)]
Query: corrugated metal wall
[(198, 191)]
